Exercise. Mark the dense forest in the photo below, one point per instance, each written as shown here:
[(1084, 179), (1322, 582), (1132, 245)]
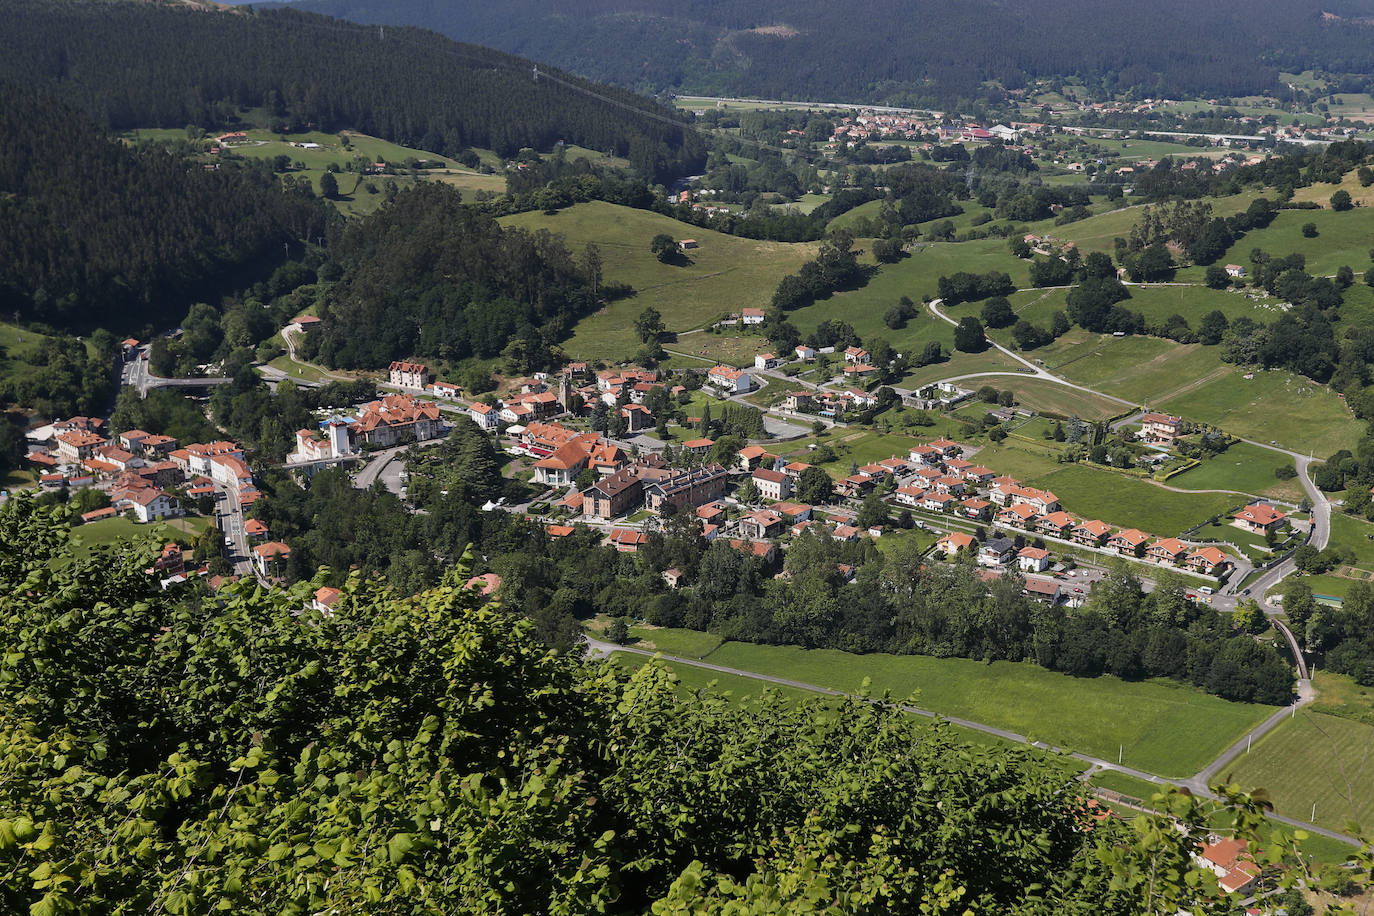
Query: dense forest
[(427, 276), (425, 754), (92, 231), (926, 52), (144, 64)]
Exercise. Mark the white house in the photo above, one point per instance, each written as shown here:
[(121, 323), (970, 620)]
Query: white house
[(446, 390), (484, 415), (150, 504), (774, 485), (1033, 559), (730, 379), (751, 316), (805, 353), (766, 361)]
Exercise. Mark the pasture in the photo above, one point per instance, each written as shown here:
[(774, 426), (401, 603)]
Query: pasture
[(1128, 502), (1244, 467), (725, 273), (1158, 726)]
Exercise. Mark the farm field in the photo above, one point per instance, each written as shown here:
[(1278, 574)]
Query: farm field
[(1127, 502), (1244, 467), (1352, 535), (1160, 727), (1315, 758), (674, 641), (729, 349), (1339, 695), (726, 274)]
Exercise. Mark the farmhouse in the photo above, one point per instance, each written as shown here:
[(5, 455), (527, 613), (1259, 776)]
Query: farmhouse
[(751, 316), (1230, 860), (1159, 428), (805, 353), (856, 355), (1235, 270), (767, 361)]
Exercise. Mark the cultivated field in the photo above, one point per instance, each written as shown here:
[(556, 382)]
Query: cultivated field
[(726, 273)]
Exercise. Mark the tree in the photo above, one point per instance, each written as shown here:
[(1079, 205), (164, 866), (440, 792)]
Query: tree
[(1213, 327), (1309, 230), (1098, 264), (329, 186), (997, 312), (872, 512), (969, 336), (1340, 201), (649, 325), (663, 247), (1217, 277), (815, 487)]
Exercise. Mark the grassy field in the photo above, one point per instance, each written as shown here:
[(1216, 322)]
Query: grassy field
[(674, 641), (1342, 238), (109, 530), (1162, 727), (17, 348), (1119, 500), (1318, 759), (726, 273), (989, 360), (1242, 467), (730, 349), (1339, 695), (1098, 233), (1191, 381), (1048, 397), (1320, 193)]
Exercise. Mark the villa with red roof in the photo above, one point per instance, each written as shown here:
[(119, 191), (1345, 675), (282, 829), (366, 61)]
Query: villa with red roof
[(1259, 518)]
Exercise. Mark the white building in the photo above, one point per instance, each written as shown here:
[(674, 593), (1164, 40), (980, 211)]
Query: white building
[(334, 444), (730, 379), (484, 415)]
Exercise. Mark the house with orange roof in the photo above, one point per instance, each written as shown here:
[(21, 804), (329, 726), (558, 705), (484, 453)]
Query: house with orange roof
[(764, 550), (1159, 428), (1033, 559), (948, 448), (1128, 542), (324, 599), (626, 540), (1209, 560), (1167, 550), (270, 558), (772, 485), (937, 502), (760, 524), (976, 508), (484, 415), (1057, 524), (404, 374), (1230, 859), (398, 418), (729, 379), (1092, 533), (75, 446), (1259, 518), (956, 542), (1019, 515), (255, 528), (752, 456), (910, 495)]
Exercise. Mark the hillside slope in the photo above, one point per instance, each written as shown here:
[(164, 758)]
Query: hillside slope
[(177, 66), (912, 50)]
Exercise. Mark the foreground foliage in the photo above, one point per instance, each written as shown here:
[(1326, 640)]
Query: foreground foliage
[(165, 751)]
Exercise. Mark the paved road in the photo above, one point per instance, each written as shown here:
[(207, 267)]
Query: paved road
[(602, 649)]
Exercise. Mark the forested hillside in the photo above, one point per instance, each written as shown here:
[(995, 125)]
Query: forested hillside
[(94, 232), (932, 51), (173, 752), (427, 276), (137, 65)]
